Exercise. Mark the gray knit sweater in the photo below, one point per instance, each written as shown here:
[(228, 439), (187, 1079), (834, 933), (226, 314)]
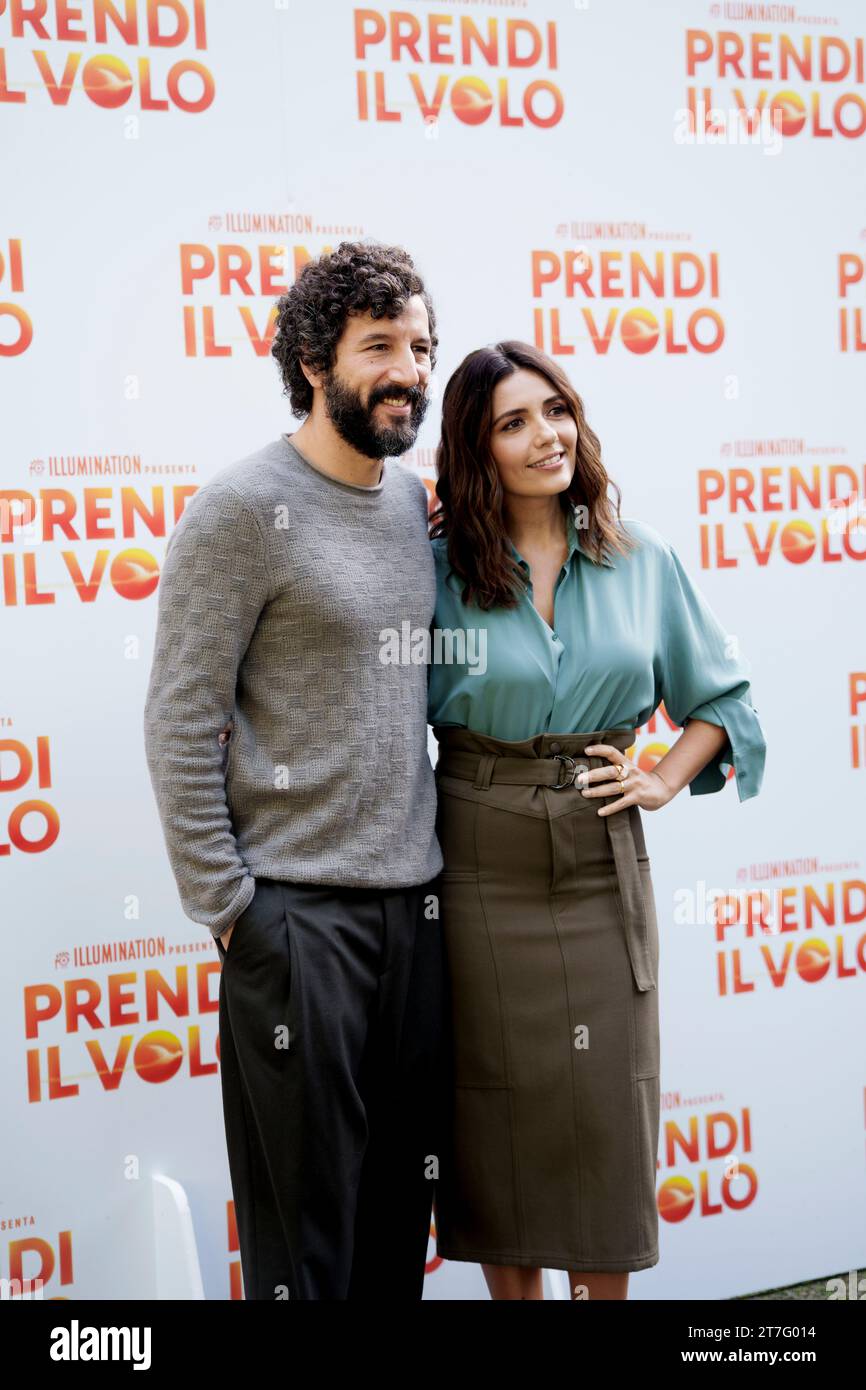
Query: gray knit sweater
[(276, 586)]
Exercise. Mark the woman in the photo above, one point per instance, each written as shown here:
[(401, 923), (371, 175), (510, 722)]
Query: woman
[(576, 626)]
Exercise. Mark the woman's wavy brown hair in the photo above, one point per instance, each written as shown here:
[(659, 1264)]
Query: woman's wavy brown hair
[(470, 495)]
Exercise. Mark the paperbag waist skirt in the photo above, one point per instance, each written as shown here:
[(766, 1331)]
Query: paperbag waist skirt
[(550, 929)]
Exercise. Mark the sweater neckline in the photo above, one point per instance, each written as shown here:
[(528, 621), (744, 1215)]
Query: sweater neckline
[(371, 489)]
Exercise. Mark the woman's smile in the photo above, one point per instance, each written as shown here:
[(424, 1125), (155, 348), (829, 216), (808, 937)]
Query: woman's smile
[(550, 462)]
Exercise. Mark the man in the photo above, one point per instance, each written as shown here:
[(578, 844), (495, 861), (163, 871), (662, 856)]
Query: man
[(308, 847)]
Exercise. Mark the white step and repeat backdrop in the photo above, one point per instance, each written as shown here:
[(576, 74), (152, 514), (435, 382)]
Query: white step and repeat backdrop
[(668, 198)]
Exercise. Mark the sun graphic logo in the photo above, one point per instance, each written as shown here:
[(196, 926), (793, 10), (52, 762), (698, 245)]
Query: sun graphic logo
[(518, 55)]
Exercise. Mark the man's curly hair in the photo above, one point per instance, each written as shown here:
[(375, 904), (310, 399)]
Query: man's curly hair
[(311, 315)]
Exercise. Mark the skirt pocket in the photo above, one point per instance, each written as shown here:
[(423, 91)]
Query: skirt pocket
[(637, 912)]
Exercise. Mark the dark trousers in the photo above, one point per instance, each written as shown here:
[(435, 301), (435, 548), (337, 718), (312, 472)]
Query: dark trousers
[(332, 1044)]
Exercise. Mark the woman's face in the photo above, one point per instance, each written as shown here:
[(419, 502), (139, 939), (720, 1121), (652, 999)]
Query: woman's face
[(533, 438)]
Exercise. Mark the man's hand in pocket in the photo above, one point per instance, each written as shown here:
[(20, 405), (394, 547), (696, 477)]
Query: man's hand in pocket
[(226, 936)]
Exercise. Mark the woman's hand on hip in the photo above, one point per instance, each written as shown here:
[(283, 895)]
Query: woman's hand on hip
[(647, 790)]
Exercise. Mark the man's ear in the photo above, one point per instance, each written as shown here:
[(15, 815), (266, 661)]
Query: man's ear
[(314, 378)]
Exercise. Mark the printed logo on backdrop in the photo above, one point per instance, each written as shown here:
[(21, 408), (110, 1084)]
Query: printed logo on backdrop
[(805, 83), (34, 1266), (153, 1021), (29, 824), (851, 270), (82, 543), (50, 536), (785, 924), (236, 1277), (56, 52), (423, 461), (615, 288), (796, 508), (434, 1261), (230, 281), (856, 712), (101, 1029), (703, 1154), (16, 325), (470, 68)]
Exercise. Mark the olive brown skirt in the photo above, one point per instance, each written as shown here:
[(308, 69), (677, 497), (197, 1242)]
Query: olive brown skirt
[(551, 937)]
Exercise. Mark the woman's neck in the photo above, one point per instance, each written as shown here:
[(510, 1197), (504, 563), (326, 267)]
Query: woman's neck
[(535, 523)]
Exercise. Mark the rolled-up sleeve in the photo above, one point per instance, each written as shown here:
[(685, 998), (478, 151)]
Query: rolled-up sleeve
[(705, 677)]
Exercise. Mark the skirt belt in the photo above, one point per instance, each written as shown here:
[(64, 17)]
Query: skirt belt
[(559, 773), (484, 768)]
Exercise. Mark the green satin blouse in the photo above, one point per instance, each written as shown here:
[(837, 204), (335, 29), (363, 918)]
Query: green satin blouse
[(627, 635)]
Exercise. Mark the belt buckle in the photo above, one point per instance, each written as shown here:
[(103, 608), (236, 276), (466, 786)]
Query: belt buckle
[(564, 758)]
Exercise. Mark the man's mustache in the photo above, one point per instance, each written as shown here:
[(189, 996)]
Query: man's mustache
[(412, 396)]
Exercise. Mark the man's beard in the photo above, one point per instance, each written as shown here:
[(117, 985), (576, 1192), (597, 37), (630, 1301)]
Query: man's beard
[(353, 420)]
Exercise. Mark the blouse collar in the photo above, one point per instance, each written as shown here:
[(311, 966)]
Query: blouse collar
[(572, 534)]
